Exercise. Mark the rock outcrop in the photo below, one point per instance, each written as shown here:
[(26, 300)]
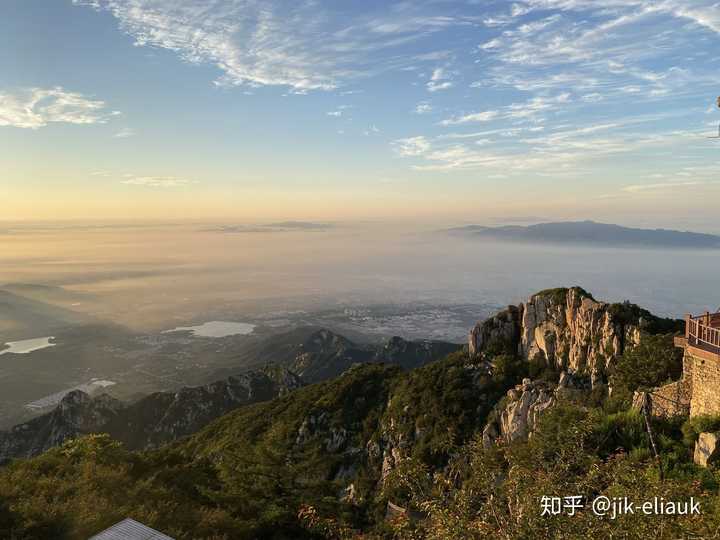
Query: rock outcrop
[(502, 329), (516, 416), (707, 449), (564, 328)]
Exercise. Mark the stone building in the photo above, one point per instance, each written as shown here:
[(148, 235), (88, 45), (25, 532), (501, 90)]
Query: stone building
[(698, 391)]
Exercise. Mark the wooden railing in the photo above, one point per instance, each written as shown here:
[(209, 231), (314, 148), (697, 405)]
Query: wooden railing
[(703, 331)]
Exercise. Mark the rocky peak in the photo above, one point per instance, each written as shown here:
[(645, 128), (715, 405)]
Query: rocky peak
[(78, 410), (565, 328)]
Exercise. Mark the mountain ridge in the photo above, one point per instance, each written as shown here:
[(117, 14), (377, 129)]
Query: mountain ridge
[(162, 417), (589, 232)]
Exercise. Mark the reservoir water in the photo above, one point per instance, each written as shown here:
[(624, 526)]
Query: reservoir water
[(27, 345), (216, 329)]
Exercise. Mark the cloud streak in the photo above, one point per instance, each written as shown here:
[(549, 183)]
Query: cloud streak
[(35, 108), (156, 181), (296, 44)]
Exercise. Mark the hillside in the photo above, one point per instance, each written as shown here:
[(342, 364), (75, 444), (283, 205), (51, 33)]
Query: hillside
[(442, 451), (151, 421), (298, 357), (590, 233)]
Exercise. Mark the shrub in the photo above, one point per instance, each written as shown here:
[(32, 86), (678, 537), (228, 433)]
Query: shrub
[(653, 362), (693, 427)]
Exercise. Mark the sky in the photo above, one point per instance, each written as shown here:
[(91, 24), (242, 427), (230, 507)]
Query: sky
[(430, 110)]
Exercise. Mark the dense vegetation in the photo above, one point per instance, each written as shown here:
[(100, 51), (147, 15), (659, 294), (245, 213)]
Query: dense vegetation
[(281, 469)]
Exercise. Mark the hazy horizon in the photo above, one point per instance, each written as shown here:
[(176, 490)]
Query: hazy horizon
[(151, 277)]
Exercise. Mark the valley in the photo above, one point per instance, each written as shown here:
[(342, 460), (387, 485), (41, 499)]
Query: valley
[(95, 355)]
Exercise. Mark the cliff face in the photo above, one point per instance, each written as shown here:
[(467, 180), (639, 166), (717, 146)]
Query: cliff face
[(516, 416), (566, 328)]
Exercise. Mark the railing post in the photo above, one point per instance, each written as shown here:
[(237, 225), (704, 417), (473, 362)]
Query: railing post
[(687, 325)]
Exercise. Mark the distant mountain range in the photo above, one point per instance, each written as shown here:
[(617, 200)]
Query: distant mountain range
[(590, 232), (281, 226)]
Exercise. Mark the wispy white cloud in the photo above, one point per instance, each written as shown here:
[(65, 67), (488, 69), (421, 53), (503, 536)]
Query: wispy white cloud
[(265, 43), (436, 86), (372, 130), (37, 107), (441, 79), (525, 110), (423, 107), (412, 146), (666, 186), (600, 50), (557, 154), (696, 176), (483, 116), (124, 133), (156, 181)]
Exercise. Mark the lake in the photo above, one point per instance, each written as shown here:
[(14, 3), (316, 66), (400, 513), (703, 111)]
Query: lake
[(28, 345), (216, 329)]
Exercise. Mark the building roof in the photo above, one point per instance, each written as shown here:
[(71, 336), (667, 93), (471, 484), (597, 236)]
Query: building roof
[(129, 529)]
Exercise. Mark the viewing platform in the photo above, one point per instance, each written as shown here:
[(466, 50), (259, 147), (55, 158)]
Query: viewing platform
[(702, 335)]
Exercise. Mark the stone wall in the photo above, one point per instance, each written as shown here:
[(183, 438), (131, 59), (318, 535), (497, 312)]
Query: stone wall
[(670, 400), (705, 378), (696, 393)]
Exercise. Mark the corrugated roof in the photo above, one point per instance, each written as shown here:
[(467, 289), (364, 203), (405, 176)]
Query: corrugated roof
[(129, 529)]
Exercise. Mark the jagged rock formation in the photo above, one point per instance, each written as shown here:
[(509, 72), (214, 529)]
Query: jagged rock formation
[(567, 329), (516, 416), (149, 422), (502, 329)]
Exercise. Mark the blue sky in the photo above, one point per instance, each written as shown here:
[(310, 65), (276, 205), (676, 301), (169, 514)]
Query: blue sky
[(328, 110)]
